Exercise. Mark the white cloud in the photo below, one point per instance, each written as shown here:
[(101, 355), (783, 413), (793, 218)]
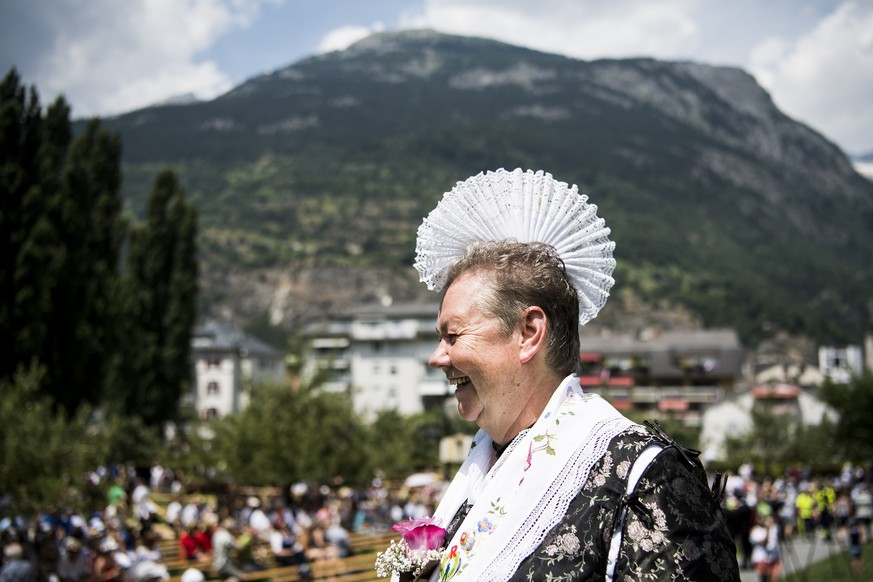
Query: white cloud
[(344, 36), (826, 75), (111, 57), (582, 29)]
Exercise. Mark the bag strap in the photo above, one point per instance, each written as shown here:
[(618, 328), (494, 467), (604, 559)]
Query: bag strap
[(639, 467)]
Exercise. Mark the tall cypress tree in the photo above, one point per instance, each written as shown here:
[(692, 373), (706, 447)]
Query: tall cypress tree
[(20, 143), (61, 228), (159, 294), (90, 209)]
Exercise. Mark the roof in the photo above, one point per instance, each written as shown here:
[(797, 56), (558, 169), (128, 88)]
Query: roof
[(223, 336), (395, 311), (349, 322), (700, 353), (780, 390), (669, 340)]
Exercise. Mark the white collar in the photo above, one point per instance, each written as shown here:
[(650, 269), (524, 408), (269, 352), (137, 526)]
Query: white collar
[(528, 490)]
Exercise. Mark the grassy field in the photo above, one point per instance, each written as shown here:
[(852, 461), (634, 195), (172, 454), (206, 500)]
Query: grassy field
[(836, 568)]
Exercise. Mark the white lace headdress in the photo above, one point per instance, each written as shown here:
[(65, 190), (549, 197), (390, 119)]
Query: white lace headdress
[(528, 207)]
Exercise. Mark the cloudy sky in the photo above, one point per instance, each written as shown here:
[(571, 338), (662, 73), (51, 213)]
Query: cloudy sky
[(815, 57)]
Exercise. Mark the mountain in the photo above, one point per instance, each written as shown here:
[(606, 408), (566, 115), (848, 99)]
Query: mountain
[(312, 180)]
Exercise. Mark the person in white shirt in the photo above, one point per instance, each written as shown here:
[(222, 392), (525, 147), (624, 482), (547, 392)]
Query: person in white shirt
[(258, 520)]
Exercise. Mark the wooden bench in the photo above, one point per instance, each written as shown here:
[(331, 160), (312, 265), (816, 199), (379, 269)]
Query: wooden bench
[(364, 542), (357, 568)]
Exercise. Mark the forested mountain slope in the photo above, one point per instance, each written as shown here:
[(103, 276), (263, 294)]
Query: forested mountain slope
[(312, 180)]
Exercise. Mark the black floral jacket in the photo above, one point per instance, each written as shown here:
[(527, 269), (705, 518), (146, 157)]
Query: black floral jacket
[(673, 527)]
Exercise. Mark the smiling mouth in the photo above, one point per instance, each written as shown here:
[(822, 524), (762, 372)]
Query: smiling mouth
[(459, 381)]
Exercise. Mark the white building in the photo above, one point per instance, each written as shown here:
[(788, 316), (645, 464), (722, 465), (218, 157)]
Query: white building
[(803, 375), (378, 355), (733, 417), (227, 364), (841, 364)]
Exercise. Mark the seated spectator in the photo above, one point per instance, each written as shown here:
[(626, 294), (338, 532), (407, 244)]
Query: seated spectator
[(338, 536), (286, 547), (147, 548), (106, 568), (224, 549), (147, 571), (173, 515), (192, 575), (47, 554), (258, 520), (203, 537), (16, 568), (190, 513), (247, 551), (318, 548), (73, 562), (191, 545)]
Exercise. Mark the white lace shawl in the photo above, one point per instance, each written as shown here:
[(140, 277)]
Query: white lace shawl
[(528, 490)]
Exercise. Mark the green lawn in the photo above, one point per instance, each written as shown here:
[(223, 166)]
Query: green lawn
[(836, 568)]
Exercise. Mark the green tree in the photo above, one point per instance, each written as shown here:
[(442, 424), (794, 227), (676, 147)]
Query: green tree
[(853, 432), (284, 436), (61, 229), (767, 444), (43, 452), (158, 307), (393, 456), (21, 144), (80, 340)]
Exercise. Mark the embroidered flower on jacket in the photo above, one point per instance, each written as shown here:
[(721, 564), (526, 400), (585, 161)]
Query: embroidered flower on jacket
[(570, 543), (623, 469), (485, 525)]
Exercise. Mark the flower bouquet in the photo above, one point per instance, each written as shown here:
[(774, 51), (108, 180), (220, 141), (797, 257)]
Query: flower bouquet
[(416, 554)]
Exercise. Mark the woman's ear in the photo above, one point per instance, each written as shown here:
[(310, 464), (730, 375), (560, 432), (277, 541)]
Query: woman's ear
[(532, 329)]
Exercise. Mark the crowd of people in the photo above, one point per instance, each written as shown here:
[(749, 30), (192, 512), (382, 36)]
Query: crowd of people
[(764, 514), (119, 539)]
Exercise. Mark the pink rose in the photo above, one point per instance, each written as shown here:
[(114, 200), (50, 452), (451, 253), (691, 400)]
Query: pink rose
[(421, 535)]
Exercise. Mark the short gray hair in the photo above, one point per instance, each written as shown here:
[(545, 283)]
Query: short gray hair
[(522, 275)]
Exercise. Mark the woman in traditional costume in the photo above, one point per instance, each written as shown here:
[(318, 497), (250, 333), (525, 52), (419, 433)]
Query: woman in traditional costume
[(558, 484)]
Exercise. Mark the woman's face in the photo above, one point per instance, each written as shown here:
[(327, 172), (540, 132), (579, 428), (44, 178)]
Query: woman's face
[(477, 358)]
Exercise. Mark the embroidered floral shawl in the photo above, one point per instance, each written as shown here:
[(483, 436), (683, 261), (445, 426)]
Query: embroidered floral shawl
[(528, 490)]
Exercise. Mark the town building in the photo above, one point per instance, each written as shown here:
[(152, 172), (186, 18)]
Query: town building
[(841, 364), (733, 417), (671, 373), (227, 363), (378, 355)]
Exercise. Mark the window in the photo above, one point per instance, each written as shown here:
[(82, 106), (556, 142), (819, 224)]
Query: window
[(393, 370), (213, 362), (212, 413), (212, 388)]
